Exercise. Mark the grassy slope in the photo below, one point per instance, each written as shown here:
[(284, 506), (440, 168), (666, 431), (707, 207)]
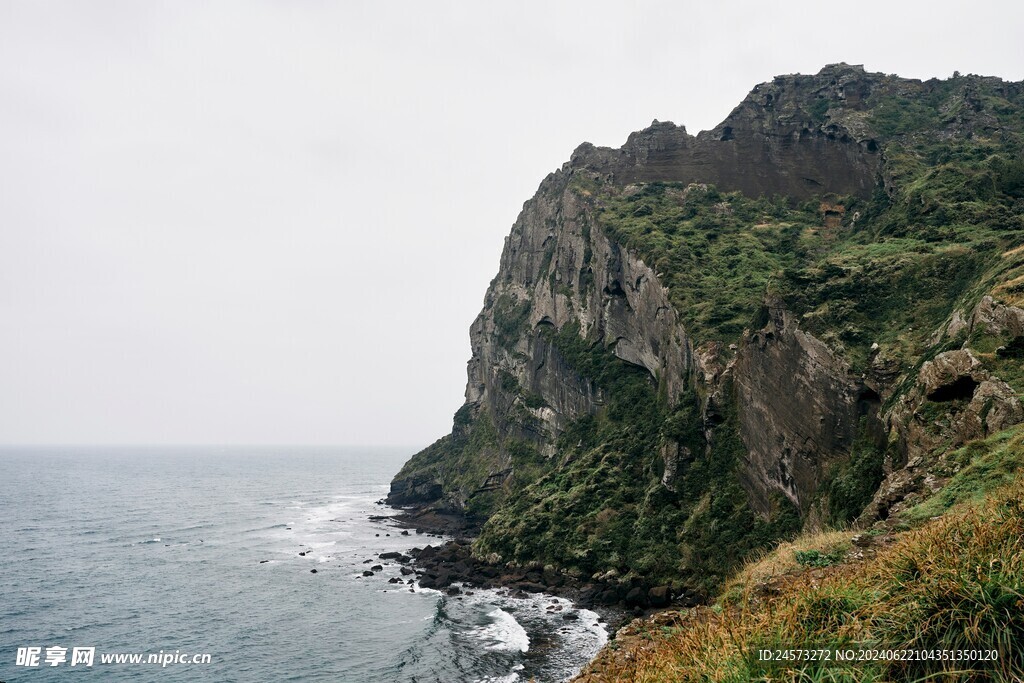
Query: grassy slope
[(953, 582)]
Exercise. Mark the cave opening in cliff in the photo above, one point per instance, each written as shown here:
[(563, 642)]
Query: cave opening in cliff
[(868, 402), (614, 289), (962, 389)]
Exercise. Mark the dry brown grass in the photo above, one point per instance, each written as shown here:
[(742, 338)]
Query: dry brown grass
[(782, 561), (956, 583)]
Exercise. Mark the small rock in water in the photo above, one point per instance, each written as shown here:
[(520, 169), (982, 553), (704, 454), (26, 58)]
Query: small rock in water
[(302, 554), (367, 572), (376, 567), (264, 561), (312, 571)]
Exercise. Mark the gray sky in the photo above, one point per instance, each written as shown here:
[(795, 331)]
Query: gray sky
[(273, 222)]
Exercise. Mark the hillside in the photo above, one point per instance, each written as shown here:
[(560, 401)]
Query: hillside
[(941, 585), (698, 345)]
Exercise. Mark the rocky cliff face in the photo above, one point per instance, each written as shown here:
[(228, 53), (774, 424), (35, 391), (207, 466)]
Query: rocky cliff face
[(800, 409), (558, 268), (777, 141), (716, 331)]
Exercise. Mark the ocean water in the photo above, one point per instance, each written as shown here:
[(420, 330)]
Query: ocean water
[(195, 551)]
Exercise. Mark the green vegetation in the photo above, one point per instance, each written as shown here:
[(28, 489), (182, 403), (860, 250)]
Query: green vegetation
[(603, 505), (888, 270), (716, 252), (509, 316), (957, 583), (884, 279), (851, 485), (816, 558), (978, 468)]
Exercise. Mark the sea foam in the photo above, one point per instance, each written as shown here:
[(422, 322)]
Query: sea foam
[(504, 633)]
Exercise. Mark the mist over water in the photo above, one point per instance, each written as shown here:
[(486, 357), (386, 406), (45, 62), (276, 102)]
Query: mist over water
[(196, 550)]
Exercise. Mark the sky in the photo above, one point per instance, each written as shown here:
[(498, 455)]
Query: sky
[(273, 222)]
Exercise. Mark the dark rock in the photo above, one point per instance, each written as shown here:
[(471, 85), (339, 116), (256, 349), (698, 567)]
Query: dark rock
[(414, 491), (312, 571), (659, 596), (367, 572), (636, 597), (530, 587)]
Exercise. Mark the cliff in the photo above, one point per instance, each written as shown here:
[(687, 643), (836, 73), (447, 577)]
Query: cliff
[(696, 345)]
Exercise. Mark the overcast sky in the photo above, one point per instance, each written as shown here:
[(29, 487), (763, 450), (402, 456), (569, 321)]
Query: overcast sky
[(273, 222)]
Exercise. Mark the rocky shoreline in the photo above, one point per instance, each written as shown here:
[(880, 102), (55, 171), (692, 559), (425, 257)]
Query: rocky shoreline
[(451, 567)]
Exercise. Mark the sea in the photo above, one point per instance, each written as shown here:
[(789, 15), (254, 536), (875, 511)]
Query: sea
[(244, 564)]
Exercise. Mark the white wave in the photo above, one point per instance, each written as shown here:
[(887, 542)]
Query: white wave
[(580, 639), (509, 678), (504, 633)]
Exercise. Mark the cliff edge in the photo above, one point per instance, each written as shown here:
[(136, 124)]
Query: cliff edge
[(697, 345)]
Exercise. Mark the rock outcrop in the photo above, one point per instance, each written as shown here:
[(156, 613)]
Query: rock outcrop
[(777, 141), (799, 410), (608, 427)]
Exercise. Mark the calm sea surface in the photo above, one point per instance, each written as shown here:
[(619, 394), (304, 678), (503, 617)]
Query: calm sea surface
[(196, 551)]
